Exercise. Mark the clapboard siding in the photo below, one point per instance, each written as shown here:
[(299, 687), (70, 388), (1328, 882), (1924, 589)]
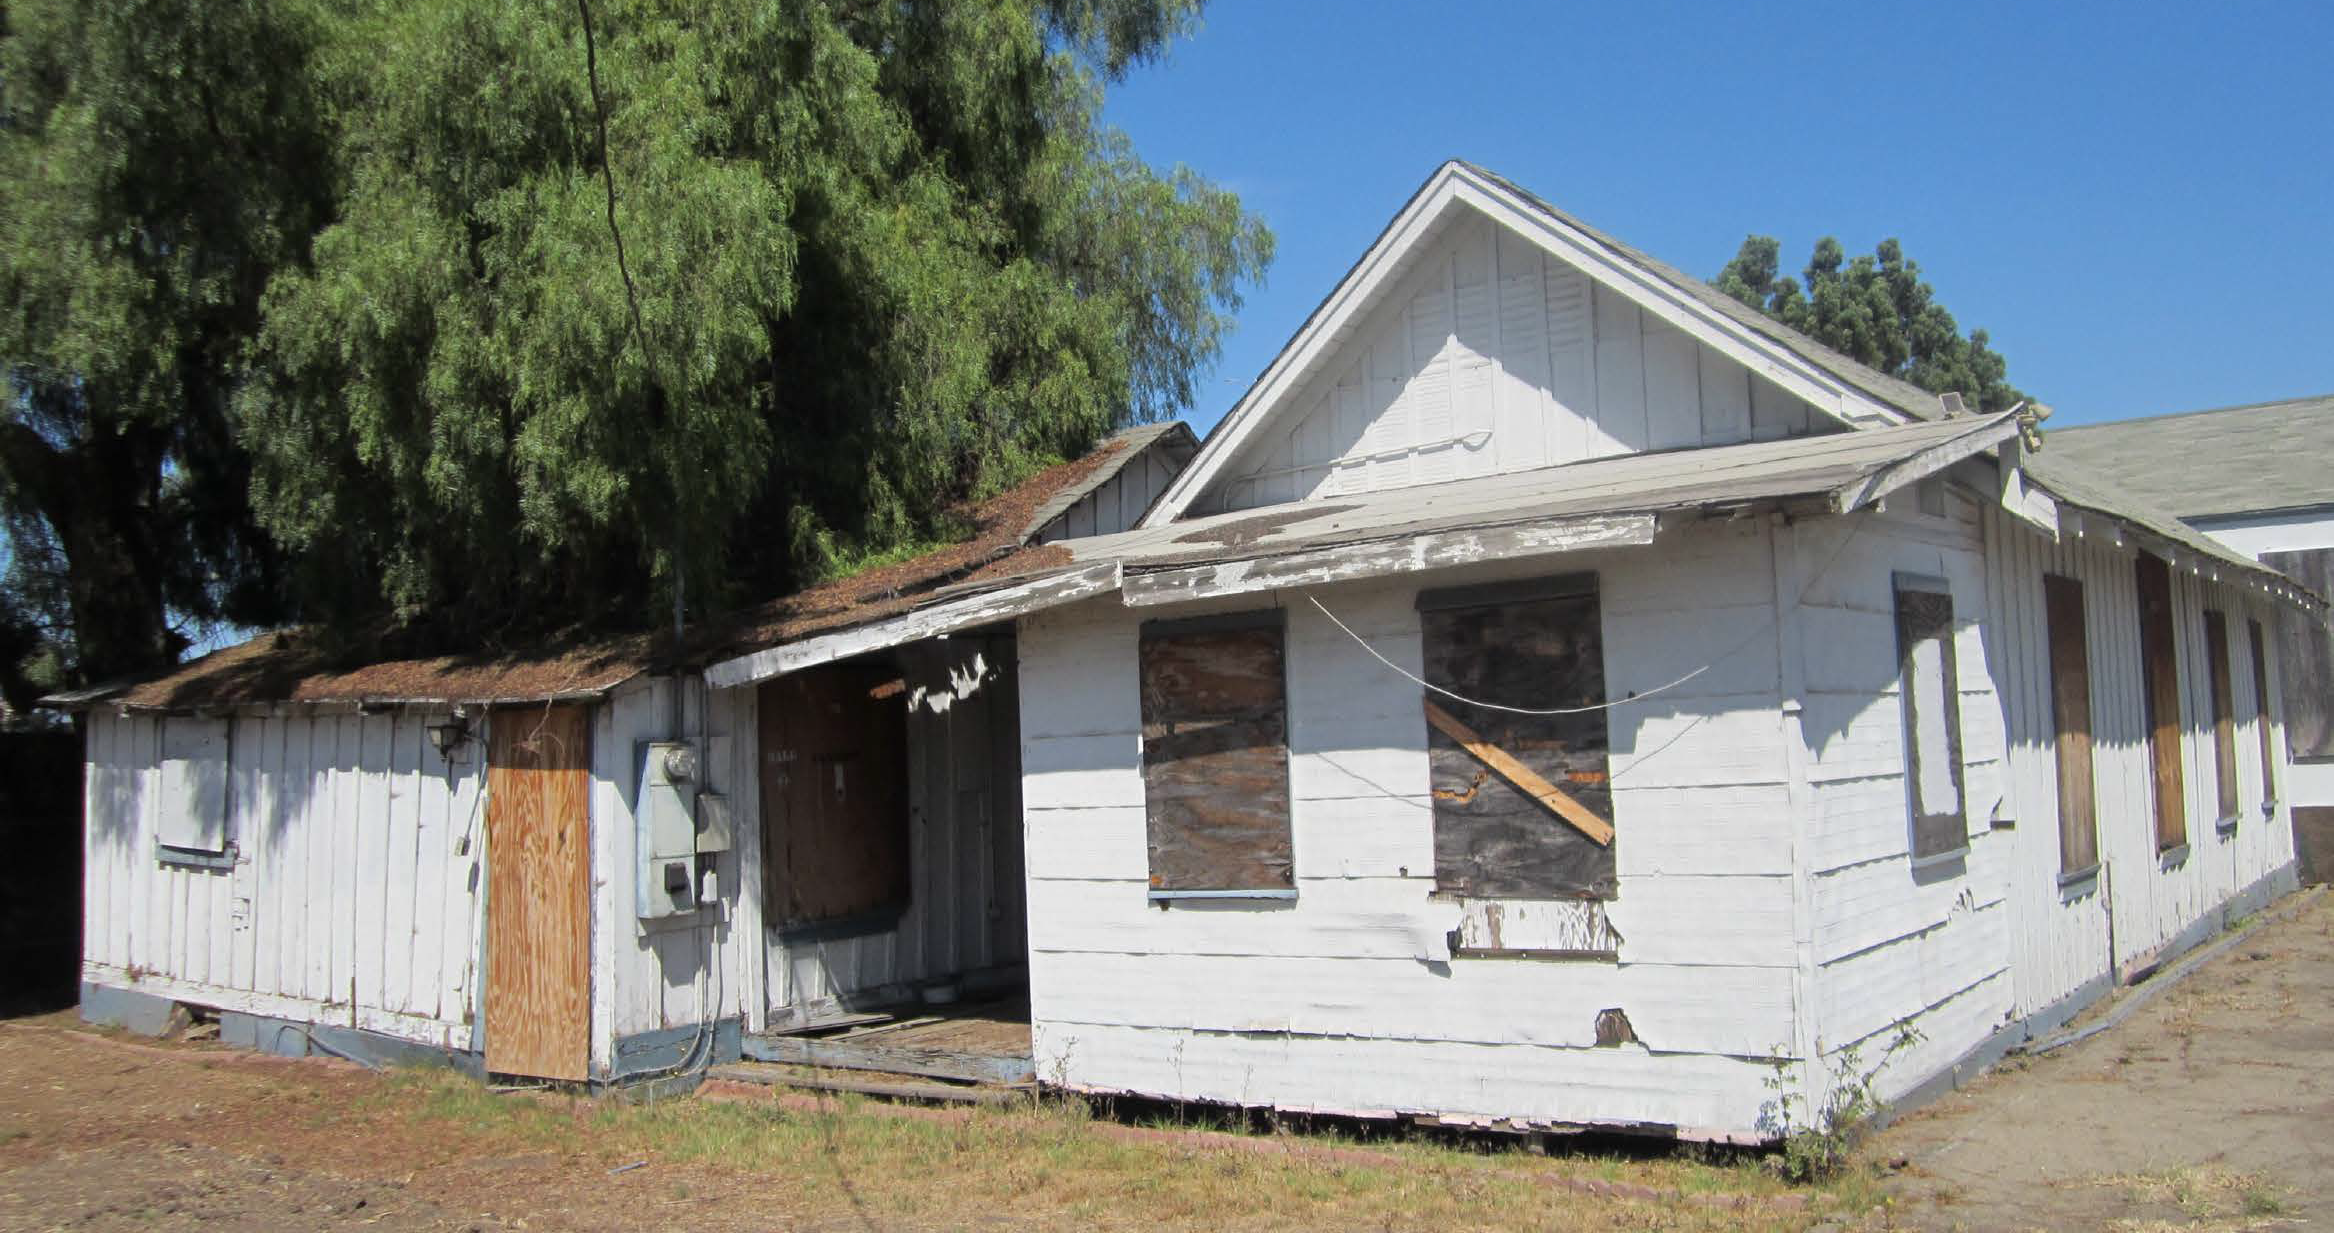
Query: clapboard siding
[(1492, 356), (1894, 941), (1359, 963), (352, 897)]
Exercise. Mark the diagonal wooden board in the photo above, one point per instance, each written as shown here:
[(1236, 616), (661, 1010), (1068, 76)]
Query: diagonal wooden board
[(1533, 785)]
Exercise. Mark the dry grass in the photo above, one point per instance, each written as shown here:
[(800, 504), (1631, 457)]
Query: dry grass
[(2209, 1197), (1052, 1164)]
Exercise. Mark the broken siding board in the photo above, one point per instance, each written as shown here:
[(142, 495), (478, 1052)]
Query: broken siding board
[(1674, 1009), (1366, 1077)]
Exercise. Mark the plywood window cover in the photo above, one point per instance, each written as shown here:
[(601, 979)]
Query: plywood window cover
[(191, 824), (2065, 612), (1268, 870), (1559, 867), (2265, 729), (1924, 614), (2220, 673), (2161, 706)]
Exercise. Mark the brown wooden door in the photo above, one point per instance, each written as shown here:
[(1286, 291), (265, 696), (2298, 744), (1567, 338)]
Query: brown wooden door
[(834, 794), (538, 892)]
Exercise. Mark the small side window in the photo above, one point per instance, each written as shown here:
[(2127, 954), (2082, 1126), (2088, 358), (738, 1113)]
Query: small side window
[(1216, 757), (1930, 690), (192, 826)]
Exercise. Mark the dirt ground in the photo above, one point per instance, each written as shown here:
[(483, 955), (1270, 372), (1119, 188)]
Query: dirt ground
[(2211, 1107)]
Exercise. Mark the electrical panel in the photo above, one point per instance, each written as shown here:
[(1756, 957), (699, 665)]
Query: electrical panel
[(666, 815)]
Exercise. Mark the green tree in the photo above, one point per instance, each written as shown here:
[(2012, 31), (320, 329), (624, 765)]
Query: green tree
[(159, 161), (1875, 309), (627, 293)]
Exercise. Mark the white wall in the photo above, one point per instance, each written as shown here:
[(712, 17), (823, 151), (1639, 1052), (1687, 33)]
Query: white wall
[(2313, 778), (1347, 999), (1962, 948), (1491, 356), (679, 971), (350, 898)]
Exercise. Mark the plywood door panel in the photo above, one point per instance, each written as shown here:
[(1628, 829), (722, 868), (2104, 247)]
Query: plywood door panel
[(538, 913), (2070, 675)]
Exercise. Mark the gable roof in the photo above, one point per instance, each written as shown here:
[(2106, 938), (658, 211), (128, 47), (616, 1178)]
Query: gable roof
[(1831, 382), (303, 666), (2203, 464)]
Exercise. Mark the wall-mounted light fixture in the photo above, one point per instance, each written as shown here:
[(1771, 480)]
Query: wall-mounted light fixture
[(448, 736)]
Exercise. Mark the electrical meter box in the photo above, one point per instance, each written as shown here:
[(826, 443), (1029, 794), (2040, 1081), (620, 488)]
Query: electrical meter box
[(666, 814)]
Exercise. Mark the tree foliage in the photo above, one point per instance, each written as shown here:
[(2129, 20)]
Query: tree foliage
[(1875, 309), (159, 162), (723, 291)]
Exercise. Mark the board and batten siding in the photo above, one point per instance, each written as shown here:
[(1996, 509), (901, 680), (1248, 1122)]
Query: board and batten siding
[(1347, 998), (1118, 502), (2088, 928), (353, 894), (1491, 356), (651, 976)]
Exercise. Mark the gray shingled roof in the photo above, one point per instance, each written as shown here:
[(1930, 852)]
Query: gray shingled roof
[(1879, 386), (2200, 464)]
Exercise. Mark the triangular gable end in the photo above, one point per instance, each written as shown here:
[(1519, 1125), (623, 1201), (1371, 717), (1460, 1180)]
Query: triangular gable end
[(1483, 332)]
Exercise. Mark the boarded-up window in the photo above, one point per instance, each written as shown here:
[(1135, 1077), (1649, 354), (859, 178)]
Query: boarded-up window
[(2070, 708), (2262, 727), (1215, 756), (2160, 691), (1522, 803), (193, 791), (2224, 713), (1931, 693), (2306, 658), (834, 748)]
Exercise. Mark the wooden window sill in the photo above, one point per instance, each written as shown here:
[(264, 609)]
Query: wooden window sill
[(2226, 827), (2076, 877), (1544, 956), (1165, 897), (2177, 854), (195, 858), (1946, 857)]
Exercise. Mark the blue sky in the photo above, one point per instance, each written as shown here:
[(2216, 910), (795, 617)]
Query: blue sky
[(2136, 200)]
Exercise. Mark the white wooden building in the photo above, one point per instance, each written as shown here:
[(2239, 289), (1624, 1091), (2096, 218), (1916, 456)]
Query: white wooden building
[(1555, 696), (2260, 479)]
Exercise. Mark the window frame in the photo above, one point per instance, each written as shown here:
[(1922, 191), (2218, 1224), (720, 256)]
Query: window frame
[(1924, 829), (1283, 853)]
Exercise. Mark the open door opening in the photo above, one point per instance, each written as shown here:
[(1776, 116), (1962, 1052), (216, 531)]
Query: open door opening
[(891, 827)]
